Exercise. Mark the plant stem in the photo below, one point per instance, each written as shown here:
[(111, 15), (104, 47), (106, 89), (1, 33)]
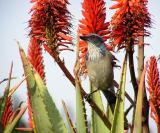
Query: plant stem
[(145, 112), (140, 57), (129, 49), (131, 66)]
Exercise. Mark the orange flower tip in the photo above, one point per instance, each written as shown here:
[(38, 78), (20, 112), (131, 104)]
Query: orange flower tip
[(65, 37), (63, 43), (63, 49), (118, 5), (24, 129)]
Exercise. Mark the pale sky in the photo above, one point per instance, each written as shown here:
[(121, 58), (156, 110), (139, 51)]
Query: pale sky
[(13, 25)]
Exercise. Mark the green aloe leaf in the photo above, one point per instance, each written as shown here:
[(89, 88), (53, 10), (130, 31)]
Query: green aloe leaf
[(98, 125), (14, 120), (109, 114), (81, 122), (118, 120), (138, 113), (72, 129), (46, 116)]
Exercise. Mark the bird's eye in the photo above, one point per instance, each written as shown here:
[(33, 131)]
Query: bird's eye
[(93, 37)]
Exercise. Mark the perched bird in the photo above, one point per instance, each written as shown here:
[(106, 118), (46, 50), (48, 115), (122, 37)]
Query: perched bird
[(100, 62)]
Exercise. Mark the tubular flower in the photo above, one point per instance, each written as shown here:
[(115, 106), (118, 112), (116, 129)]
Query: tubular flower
[(154, 89), (35, 56), (50, 23), (93, 21), (129, 21)]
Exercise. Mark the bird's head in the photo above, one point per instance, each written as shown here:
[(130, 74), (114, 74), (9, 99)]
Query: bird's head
[(93, 39), (95, 43)]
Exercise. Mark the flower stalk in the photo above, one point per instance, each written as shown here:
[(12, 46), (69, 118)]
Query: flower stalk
[(145, 112)]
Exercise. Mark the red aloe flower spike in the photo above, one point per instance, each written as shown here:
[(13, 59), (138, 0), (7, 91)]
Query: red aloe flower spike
[(35, 56), (50, 22), (93, 21), (8, 112), (129, 22), (154, 90)]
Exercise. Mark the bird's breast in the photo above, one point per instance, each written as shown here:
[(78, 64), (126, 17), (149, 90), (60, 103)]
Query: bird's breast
[(100, 72), (93, 52)]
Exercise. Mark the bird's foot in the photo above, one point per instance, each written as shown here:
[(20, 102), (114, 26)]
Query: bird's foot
[(88, 97)]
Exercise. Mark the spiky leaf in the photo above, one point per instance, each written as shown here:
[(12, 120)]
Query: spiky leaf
[(81, 122), (98, 125), (45, 114), (72, 129), (109, 114), (118, 120)]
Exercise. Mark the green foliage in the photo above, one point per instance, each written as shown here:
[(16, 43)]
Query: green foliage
[(109, 114), (81, 122), (45, 114), (97, 125), (118, 120), (72, 129)]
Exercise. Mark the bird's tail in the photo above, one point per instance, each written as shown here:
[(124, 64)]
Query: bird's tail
[(111, 98)]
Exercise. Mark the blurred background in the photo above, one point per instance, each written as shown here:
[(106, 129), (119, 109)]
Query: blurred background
[(14, 16)]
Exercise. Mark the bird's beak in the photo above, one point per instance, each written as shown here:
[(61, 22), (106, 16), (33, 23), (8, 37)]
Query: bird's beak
[(84, 38)]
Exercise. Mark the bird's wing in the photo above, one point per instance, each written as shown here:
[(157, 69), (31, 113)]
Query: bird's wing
[(113, 59)]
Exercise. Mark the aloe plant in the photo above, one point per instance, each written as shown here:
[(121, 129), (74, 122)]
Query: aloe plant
[(50, 30)]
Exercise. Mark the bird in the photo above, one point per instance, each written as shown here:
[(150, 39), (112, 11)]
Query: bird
[(100, 67), (99, 63)]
